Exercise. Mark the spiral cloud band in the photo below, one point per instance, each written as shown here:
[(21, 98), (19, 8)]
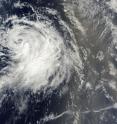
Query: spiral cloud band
[(39, 55)]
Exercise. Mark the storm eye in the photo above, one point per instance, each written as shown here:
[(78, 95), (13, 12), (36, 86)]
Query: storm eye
[(18, 42)]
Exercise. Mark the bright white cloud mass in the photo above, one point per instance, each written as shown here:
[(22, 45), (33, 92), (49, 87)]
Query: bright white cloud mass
[(39, 55)]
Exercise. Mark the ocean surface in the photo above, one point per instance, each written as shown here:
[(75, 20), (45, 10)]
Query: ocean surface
[(58, 61)]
